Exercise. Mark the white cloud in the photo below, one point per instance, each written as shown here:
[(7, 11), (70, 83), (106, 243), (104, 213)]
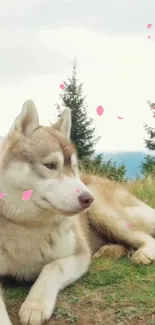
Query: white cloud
[(118, 73), (114, 17), (24, 55)]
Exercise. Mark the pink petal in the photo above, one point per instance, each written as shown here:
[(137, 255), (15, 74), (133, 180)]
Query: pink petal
[(149, 37), (27, 195), (62, 86), (2, 195), (120, 118), (100, 110), (149, 25)]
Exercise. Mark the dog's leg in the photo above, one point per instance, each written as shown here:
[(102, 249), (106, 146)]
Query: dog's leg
[(111, 250), (4, 318), (146, 247), (40, 302), (143, 242), (138, 239)]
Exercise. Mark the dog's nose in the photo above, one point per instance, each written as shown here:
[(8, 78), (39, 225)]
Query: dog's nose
[(85, 200)]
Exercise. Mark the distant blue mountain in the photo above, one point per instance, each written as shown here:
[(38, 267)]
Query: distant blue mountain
[(132, 161)]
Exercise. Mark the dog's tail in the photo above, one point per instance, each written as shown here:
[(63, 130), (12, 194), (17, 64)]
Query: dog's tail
[(4, 318)]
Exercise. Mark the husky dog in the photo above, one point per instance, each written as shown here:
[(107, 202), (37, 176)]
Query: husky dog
[(69, 217)]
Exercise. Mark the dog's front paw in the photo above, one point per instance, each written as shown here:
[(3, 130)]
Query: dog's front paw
[(34, 312), (143, 256)]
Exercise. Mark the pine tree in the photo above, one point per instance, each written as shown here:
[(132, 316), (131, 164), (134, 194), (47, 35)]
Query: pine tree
[(59, 111), (82, 130), (148, 166), (150, 143)]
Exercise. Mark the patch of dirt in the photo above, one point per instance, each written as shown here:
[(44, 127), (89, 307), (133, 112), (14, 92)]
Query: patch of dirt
[(90, 310)]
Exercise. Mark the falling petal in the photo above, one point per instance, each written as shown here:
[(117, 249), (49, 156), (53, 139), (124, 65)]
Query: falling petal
[(62, 86), (2, 195), (27, 195), (149, 25), (100, 110)]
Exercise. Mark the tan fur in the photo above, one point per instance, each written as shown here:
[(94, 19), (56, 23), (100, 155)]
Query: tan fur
[(51, 237), (113, 251)]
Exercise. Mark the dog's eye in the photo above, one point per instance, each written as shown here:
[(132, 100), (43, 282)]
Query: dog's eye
[(52, 166)]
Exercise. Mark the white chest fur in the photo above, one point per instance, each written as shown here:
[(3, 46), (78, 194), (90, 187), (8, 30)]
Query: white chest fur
[(23, 252)]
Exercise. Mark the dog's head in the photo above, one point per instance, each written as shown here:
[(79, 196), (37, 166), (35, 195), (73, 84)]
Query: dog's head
[(42, 159)]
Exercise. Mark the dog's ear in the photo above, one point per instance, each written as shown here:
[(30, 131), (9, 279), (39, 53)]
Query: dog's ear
[(64, 123), (27, 120)]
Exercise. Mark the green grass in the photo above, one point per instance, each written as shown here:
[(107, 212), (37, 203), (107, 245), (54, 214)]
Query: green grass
[(144, 190), (118, 286)]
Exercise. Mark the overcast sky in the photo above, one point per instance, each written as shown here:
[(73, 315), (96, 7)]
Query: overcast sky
[(116, 62)]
